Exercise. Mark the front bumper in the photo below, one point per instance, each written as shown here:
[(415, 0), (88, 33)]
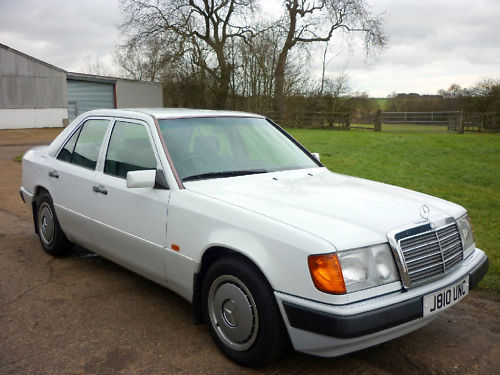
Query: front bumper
[(326, 330), (26, 196)]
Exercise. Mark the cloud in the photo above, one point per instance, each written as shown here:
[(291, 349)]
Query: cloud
[(433, 43), (60, 32), (443, 29)]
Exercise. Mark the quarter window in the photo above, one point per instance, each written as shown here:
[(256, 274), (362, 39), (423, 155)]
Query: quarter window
[(83, 147), (67, 151), (129, 150)]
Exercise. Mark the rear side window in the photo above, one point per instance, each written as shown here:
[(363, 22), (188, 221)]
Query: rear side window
[(129, 150), (83, 147), (67, 151)]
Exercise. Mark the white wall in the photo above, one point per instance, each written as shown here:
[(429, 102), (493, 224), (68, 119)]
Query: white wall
[(32, 118), (137, 94)]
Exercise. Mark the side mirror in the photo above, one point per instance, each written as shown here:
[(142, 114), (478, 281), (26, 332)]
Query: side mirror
[(316, 155), (141, 179)]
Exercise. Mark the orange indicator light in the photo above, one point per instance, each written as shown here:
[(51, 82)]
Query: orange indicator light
[(326, 273), (175, 247)]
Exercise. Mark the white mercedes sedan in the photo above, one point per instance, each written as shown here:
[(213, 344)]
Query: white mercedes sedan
[(268, 245)]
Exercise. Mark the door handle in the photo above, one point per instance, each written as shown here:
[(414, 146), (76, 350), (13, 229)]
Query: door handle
[(53, 173), (100, 189)]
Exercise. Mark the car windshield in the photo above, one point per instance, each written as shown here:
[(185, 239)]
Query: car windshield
[(214, 147)]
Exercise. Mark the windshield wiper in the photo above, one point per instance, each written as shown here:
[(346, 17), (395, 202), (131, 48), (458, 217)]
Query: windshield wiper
[(207, 175)]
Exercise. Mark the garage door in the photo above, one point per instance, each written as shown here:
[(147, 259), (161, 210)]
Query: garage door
[(85, 96)]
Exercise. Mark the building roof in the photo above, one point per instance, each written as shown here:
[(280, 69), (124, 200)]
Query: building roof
[(89, 77), (103, 79), (30, 57), (75, 75)]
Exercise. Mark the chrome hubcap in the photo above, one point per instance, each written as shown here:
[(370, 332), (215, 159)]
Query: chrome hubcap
[(46, 223), (233, 312)]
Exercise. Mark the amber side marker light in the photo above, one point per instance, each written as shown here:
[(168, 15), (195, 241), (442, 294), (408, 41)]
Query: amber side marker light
[(326, 273), (175, 247)]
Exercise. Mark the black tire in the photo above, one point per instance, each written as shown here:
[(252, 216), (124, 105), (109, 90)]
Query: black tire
[(52, 238), (255, 333)]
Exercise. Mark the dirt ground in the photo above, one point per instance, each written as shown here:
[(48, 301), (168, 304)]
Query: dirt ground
[(85, 315)]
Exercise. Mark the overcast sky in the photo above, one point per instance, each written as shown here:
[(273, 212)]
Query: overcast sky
[(432, 43)]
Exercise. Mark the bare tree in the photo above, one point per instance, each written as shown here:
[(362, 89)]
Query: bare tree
[(257, 57), (336, 88), (485, 95), (204, 29), (94, 65), (324, 64), (309, 21), (147, 60)]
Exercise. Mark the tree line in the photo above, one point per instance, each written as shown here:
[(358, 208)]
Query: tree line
[(225, 54), (484, 96)]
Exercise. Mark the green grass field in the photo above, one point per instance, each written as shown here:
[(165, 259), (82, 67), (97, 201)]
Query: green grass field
[(464, 169)]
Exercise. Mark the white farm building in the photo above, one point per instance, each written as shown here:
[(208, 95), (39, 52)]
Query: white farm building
[(36, 94)]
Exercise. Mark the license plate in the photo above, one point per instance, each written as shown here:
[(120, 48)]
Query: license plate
[(444, 298)]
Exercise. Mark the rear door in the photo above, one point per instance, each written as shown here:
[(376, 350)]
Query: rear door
[(130, 223), (72, 176)]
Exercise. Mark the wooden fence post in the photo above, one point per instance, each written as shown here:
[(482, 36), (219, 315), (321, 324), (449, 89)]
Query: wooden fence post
[(461, 123), (348, 121), (378, 121)]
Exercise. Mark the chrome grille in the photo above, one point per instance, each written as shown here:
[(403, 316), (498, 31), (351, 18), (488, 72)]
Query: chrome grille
[(431, 254)]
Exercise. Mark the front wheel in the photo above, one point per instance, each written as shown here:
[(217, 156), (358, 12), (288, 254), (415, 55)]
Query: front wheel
[(242, 314), (52, 238)]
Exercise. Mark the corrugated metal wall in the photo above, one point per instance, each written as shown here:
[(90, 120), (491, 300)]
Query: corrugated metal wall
[(27, 83), (85, 96)]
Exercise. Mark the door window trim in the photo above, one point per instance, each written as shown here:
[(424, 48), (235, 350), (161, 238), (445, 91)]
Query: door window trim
[(107, 138), (78, 129)]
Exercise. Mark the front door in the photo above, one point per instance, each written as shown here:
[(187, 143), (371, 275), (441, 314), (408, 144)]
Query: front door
[(130, 223)]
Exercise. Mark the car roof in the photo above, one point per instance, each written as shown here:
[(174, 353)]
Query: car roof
[(168, 113)]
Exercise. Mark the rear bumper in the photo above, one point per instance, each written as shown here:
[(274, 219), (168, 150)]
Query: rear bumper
[(334, 331)]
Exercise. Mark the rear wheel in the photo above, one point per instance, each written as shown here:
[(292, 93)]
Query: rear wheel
[(52, 238), (242, 314)]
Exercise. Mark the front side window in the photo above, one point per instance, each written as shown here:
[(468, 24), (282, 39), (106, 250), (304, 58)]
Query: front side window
[(213, 147), (129, 150), (83, 147)]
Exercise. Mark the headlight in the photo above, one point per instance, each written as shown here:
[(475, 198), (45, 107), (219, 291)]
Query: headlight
[(466, 232), (367, 267)]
